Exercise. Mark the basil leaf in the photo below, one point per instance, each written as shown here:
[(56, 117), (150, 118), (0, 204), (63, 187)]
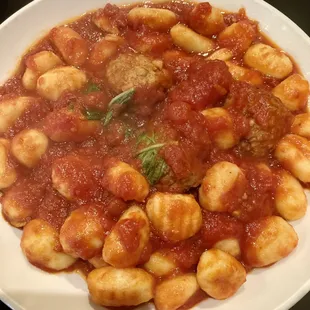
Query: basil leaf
[(93, 115), (108, 117)]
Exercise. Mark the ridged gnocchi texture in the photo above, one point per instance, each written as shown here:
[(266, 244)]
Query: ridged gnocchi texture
[(156, 19), (293, 92), (293, 152), (40, 244), (38, 64), (69, 125), (301, 125), (221, 180), (230, 246), (206, 20), (84, 231), (72, 46), (12, 109), (219, 274), (129, 237), (8, 174), (224, 136), (223, 54), (290, 199), (29, 146), (125, 182), (160, 264), (268, 60), (52, 84), (190, 41), (114, 287), (267, 241), (175, 217), (243, 74), (174, 293)]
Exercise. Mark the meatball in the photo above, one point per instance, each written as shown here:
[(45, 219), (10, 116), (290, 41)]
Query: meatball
[(134, 70), (268, 118)]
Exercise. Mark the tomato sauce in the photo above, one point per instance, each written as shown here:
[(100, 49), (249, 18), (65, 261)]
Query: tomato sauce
[(173, 115)]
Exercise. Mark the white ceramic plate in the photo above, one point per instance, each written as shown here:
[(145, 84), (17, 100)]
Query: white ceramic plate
[(22, 286)]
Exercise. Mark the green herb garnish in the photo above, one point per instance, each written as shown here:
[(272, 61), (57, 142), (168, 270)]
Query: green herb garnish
[(71, 107), (106, 118), (153, 166), (128, 133), (91, 88)]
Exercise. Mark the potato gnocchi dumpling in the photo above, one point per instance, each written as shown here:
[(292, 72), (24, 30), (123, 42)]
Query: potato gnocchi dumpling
[(290, 199), (98, 262), (301, 125), (12, 109), (206, 20), (190, 41), (29, 146), (293, 152), (72, 46), (8, 174), (219, 274), (243, 74), (223, 54), (267, 241), (174, 293), (175, 217), (268, 60), (114, 287), (52, 84), (224, 137), (129, 237), (230, 246), (160, 264), (156, 19), (125, 182), (103, 23), (40, 244), (293, 92), (221, 180), (84, 231), (38, 64)]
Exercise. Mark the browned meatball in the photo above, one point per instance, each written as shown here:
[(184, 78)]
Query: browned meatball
[(135, 70), (268, 118)]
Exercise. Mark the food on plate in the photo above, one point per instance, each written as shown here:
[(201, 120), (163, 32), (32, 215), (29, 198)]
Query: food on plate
[(159, 149)]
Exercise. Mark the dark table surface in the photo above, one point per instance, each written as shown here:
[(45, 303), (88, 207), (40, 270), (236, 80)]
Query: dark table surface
[(297, 10)]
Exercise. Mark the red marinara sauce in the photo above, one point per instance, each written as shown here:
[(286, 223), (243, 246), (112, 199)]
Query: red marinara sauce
[(171, 112)]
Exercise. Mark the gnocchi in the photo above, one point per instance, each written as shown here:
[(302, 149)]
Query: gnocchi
[(8, 174), (114, 287), (293, 92), (72, 46), (190, 41), (160, 264), (52, 84), (268, 240), (301, 125), (293, 153), (156, 19), (29, 146), (268, 60), (124, 245), (38, 64), (176, 217), (224, 137), (84, 231), (223, 54), (290, 199), (216, 266), (40, 244), (230, 246), (174, 293), (125, 182), (221, 180)]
